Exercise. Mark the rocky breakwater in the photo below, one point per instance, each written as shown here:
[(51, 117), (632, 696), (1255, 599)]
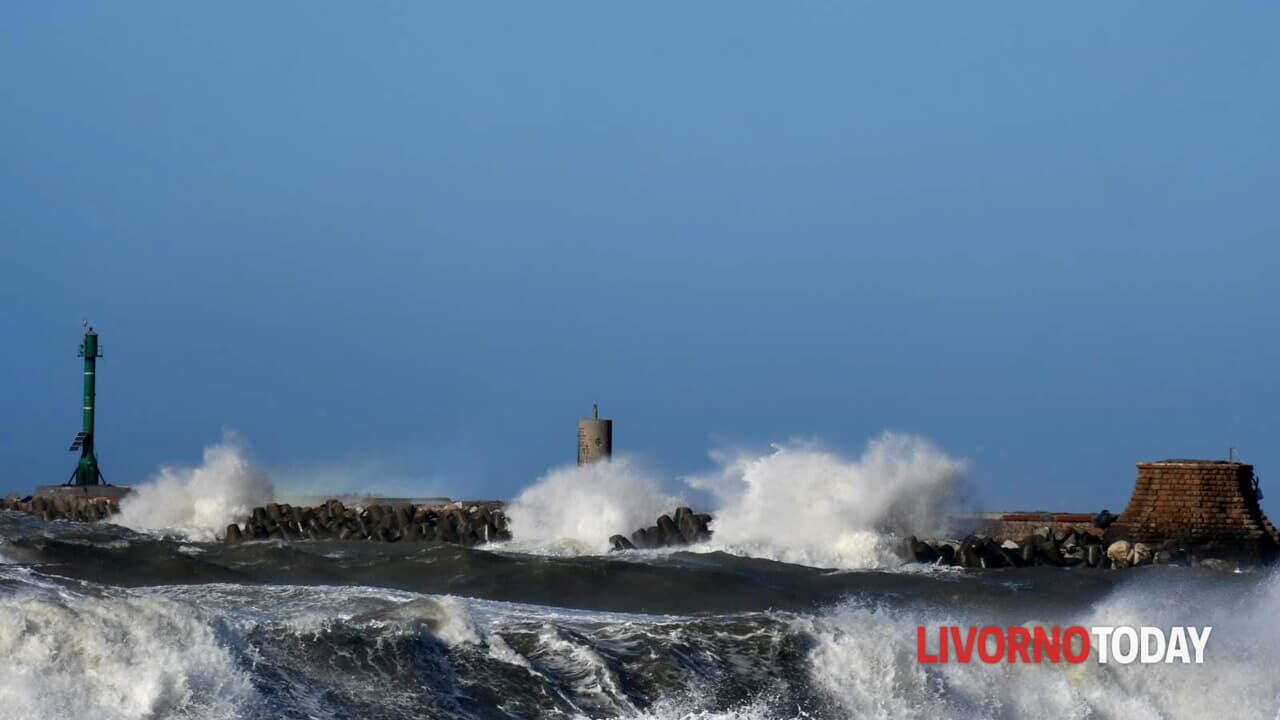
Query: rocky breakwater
[(1042, 547), (60, 507), (1091, 548), (459, 523), (683, 527)]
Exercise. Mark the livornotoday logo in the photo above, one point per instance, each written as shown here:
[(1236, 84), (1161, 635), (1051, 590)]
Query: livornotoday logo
[(1120, 644)]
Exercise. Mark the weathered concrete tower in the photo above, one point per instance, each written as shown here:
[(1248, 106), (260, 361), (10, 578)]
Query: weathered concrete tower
[(595, 438)]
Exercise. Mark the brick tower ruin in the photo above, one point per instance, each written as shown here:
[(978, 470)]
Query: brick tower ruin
[(1208, 507)]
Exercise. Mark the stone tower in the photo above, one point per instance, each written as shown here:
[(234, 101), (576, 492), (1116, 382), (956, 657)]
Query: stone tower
[(1209, 507)]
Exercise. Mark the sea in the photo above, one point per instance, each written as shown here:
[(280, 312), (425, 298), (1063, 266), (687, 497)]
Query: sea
[(798, 608)]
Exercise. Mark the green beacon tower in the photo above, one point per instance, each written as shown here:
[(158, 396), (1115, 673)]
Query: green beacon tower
[(87, 471)]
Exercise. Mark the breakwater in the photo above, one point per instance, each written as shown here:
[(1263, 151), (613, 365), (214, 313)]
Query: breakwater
[(681, 528), (458, 522), (1088, 548), (64, 507)]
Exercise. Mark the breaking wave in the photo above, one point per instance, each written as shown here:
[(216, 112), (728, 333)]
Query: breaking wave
[(272, 651), (864, 659), (797, 503), (574, 510), (64, 656), (198, 502), (802, 504)]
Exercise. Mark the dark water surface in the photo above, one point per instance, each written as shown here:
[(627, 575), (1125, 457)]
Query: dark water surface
[(99, 621)]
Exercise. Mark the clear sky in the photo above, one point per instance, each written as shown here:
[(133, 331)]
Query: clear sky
[(413, 242)]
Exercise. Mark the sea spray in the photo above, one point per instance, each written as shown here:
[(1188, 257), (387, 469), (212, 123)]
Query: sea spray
[(864, 661), (796, 503), (265, 649), (576, 509), (199, 502), (69, 656), (802, 504)]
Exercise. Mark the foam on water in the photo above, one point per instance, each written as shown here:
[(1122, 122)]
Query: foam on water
[(574, 510), (865, 660), (797, 503), (198, 502), (225, 650), (68, 657), (802, 504)]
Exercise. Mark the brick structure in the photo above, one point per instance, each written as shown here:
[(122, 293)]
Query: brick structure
[(1208, 507), (1018, 525)]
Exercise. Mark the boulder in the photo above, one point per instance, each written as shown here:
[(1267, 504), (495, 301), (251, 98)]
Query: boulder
[(1140, 554), (687, 522), (946, 554), (1010, 557), (1104, 519), (621, 543), (920, 551), (1093, 556), (447, 530), (640, 539), (683, 527), (1048, 551), (1027, 550), (968, 556), (1118, 554), (670, 533)]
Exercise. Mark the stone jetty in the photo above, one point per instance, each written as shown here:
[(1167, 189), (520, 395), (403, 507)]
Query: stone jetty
[(1046, 547), (684, 527), (1181, 511), (64, 507), (459, 522)]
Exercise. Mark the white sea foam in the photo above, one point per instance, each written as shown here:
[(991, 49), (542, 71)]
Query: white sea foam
[(796, 503), (153, 653), (574, 510), (803, 504), (116, 659), (198, 502), (864, 658)]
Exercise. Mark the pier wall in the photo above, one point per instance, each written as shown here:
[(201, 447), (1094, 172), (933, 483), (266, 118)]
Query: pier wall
[(1209, 507)]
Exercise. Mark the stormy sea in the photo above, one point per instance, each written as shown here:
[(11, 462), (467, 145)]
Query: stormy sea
[(798, 608)]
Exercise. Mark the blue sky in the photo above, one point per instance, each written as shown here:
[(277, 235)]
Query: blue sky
[(417, 241)]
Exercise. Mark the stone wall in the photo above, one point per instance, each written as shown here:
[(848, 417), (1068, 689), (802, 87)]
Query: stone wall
[(1018, 525), (1208, 507)]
